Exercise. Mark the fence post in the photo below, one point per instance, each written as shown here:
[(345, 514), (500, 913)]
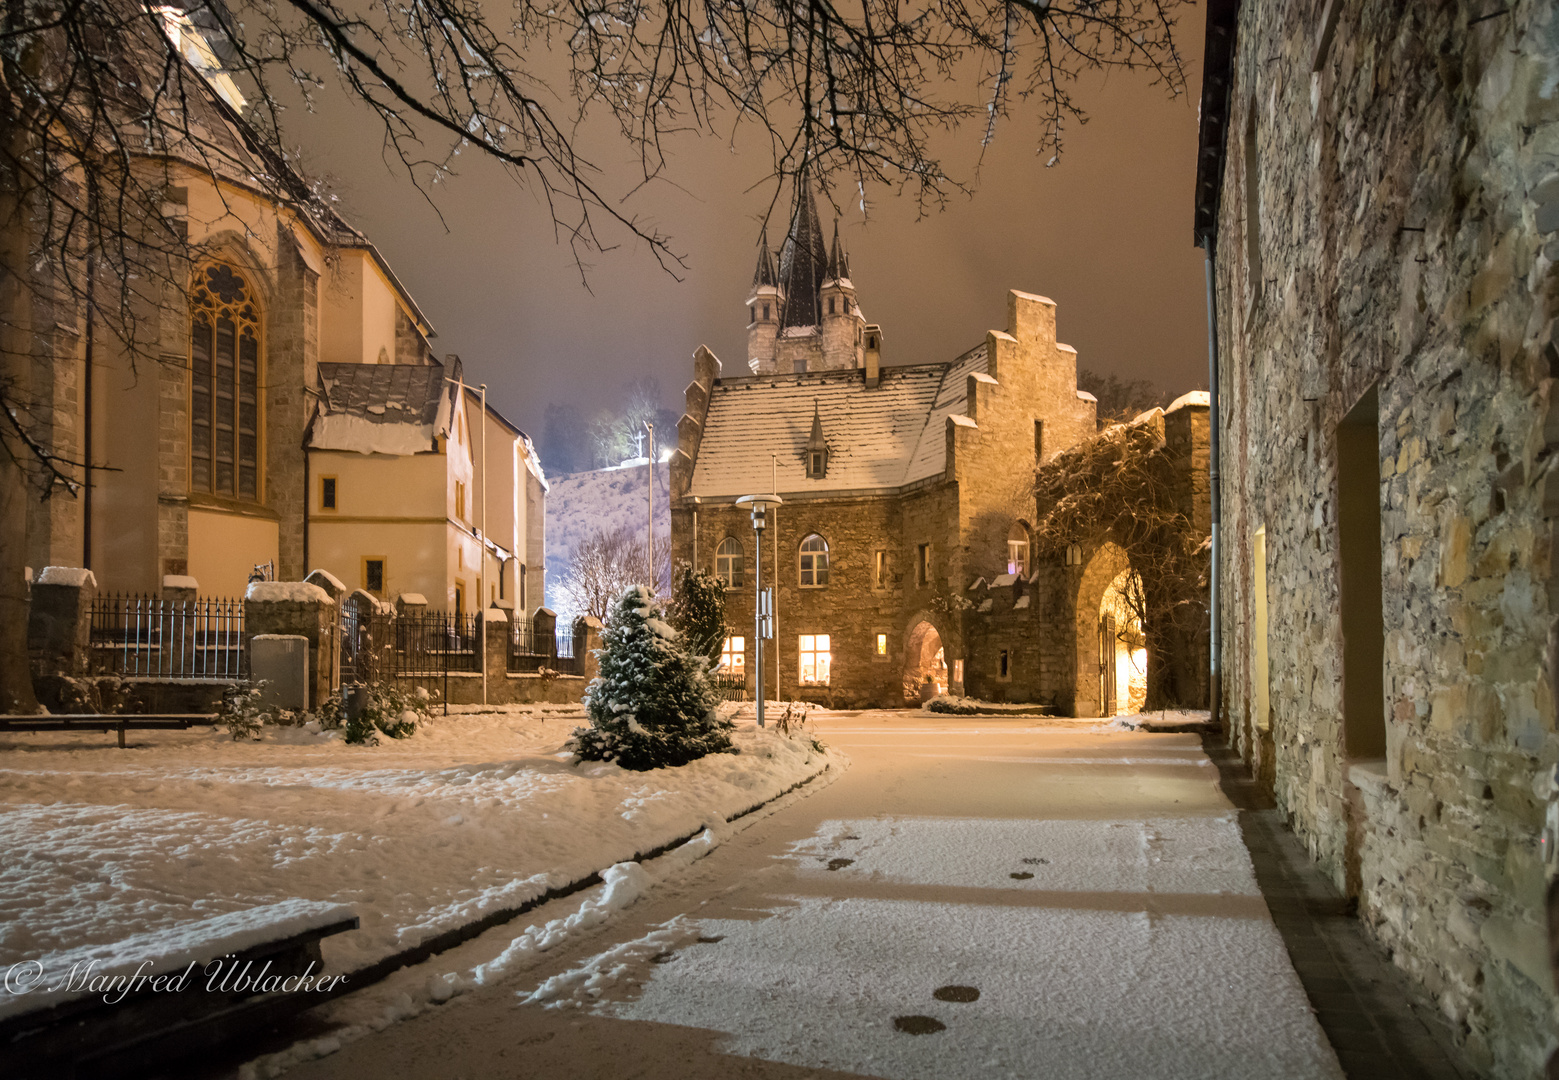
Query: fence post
[(544, 640), (495, 625), (587, 639), (294, 607), (59, 623)]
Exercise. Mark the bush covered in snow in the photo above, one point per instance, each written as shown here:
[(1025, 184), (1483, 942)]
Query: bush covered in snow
[(958, 706), (698, 610), (242, 712), (652, 704), (386, 709)]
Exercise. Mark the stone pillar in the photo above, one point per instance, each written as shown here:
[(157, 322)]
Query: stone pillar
[(587, 640), (329, 582), (60, 623), (544, 628), (296, 607), (179, 588), (411, 603), (495, 625)]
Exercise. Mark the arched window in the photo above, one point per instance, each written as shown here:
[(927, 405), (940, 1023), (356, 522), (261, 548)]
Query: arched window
[(224, 414), (814, 562), (729, 561), (1018, 549)]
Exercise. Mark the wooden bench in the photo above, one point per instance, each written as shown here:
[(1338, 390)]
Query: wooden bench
[(105, 724), (65, 1035)]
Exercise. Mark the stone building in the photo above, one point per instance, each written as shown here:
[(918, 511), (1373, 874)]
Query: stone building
[(199, 454), (1378, 194), (902, 552)]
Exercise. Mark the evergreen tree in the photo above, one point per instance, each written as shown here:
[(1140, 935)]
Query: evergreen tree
[(698, 610), (651, 705)]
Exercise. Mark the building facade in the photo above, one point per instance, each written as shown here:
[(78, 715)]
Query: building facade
[(902, 556), (1379, 196)]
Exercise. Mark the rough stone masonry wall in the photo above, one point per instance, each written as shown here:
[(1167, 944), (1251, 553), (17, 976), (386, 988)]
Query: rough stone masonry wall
[(291, 364), (1406, 194)]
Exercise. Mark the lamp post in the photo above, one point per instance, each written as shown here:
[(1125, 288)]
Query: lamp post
[(759, 504), (649, 533)]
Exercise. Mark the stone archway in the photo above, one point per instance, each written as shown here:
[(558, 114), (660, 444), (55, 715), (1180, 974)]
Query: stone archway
[(1108, 563), (925, 657)]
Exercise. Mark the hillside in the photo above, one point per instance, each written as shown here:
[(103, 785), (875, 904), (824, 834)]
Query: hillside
[(579, 503)]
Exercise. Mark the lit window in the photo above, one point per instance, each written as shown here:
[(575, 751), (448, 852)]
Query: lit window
[(728, 562), (224, 411), (327, 492), (815, 659), (733, 656), (1017, 549), (814, 562), (882, 644), (880, 570)]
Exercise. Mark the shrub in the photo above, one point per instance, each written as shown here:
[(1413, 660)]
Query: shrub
[(958, 706), (388, 710), (652, 704), (242, 712)]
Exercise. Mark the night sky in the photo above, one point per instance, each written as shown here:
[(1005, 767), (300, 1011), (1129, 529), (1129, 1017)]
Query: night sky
[(1106, 233)]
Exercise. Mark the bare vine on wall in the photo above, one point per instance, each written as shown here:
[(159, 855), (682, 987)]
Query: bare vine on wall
[(1122, 486)]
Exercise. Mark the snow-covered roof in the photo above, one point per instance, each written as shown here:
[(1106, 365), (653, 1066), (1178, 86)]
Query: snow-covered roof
[(1195, 397), (883, 437), (381, 408)]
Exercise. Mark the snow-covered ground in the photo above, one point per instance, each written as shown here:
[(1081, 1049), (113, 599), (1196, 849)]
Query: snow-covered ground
[(580, 503), (479, 811)]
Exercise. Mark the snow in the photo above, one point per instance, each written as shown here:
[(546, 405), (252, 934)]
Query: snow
[(343, 431), (169, 949), (179, 581), (413, 598), (329, 579), (295, 592), (963, 421), (607, 499), (478, 812), (1001, 581), (66, 575), (1020, 603), (1083, 395), (1194, 398), (495, 615)]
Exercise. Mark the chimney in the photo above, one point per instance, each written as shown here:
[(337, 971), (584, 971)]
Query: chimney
[(873, 355)]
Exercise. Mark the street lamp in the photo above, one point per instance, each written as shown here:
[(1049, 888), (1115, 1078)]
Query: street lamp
[(759, 504)]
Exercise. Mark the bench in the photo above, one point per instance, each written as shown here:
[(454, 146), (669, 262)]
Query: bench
[(70, 1033), (105, 724)]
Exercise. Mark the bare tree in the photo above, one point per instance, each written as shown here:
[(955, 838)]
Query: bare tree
[(1118, 398), (607, 562), (104, 102)]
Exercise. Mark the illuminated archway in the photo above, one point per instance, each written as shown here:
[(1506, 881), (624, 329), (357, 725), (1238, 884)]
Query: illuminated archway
[(925, 658), (1107, 564), (1123, 653)]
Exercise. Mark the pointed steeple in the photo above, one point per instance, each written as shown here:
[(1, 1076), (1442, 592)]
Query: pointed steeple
[(838, 268), (802, 259), (764, 275)]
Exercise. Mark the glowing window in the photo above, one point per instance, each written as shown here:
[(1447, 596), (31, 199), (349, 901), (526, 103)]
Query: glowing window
[(880, 570), (882, 644), (815, 659), (733, 656), (814, 562), (224, 411), (728, 562), (1017, 549), (923, 565)]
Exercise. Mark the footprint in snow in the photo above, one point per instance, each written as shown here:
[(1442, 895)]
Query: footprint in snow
[(838, 864)]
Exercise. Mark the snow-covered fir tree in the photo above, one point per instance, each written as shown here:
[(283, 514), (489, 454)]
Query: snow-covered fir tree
[(651, 705)]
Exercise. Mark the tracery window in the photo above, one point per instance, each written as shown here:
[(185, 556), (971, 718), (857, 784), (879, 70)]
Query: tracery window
[(224, 415), (814, 562), (728, 562)]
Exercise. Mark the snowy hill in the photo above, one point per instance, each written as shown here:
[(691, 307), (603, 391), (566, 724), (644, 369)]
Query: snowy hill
[(580, 503)]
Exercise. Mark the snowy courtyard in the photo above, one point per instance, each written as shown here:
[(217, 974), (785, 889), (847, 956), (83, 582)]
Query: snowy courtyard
[(479, 811)]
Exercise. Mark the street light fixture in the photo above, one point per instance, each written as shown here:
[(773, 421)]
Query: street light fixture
[(759, 504)]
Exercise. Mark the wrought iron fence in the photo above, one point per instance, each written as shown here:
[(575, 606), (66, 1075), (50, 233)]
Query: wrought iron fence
[(150, 637), (731, 685), (378, 646), (531, 652)]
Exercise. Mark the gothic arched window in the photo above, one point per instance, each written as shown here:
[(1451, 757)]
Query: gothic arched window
[(814, 562), (728, 561), (224, 412)]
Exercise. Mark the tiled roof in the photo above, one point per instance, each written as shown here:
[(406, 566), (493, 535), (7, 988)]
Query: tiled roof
[(882, 438), (357, 399)]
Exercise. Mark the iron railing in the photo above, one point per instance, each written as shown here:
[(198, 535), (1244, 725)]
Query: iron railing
[(150, 637), (730, 684), (531, 652), (434, 642)]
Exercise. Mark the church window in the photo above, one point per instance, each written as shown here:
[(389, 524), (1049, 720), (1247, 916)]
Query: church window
[(1018, 549), (224, 415), (729, 562), (814, 562), (815, 659), (765, 311), (327, 492)]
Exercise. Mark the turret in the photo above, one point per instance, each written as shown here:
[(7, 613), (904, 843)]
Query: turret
[(842, 325), (764, 303)]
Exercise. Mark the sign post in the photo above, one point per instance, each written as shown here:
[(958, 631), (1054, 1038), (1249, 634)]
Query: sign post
[(762, 598)]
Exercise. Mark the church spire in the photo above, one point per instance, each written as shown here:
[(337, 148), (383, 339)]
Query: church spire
[(802, 259), (764, 275), (838, 262)]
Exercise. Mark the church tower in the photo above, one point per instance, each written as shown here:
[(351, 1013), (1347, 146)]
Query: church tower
[(803, 316), (842, 326), (764, 303)]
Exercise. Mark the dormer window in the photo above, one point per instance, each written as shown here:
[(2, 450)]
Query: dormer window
[(817, 449)]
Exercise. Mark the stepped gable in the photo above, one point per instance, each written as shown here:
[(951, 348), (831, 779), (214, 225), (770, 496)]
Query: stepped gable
[(803, 259), (879, 439)]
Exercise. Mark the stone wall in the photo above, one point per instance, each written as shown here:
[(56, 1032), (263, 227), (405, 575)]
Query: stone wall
[(1389, 195), (292, 365)]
